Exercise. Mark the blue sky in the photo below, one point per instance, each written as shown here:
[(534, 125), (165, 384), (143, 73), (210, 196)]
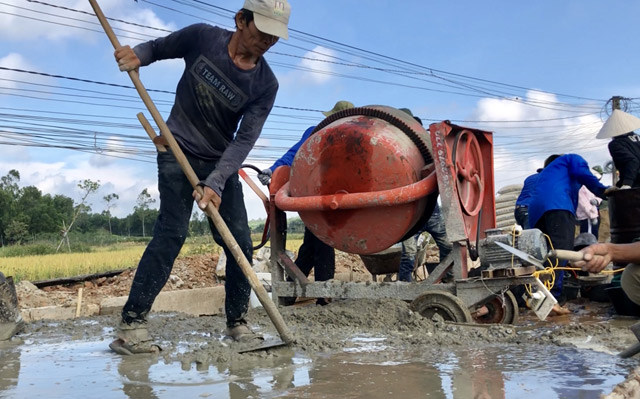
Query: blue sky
[(537, 74)]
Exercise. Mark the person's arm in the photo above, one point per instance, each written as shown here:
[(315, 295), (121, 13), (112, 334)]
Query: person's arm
[(598, 256), (176, 45), (626, 162), (579, 170), (253, 120), (287, 158)]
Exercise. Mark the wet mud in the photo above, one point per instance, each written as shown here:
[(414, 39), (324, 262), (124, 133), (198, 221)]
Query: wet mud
[(351, 348)]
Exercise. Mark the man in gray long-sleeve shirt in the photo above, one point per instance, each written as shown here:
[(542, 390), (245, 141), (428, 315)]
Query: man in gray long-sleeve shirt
[(226, 82)]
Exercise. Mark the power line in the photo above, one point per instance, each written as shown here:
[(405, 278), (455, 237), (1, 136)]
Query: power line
[(431, 72)]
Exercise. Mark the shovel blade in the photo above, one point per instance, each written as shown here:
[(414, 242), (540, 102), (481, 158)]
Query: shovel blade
[(262, 345)]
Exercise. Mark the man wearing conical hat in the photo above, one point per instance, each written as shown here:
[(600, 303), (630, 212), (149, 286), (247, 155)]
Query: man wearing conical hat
[(624, 146), (625, 152)]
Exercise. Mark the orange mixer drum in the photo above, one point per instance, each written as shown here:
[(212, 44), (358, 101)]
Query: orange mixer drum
[(362, 181)]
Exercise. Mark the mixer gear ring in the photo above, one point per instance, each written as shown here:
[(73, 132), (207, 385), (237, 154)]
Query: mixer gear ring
[(385, 116)]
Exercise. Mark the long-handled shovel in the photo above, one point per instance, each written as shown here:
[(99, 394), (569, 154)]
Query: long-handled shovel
[(211, 211)]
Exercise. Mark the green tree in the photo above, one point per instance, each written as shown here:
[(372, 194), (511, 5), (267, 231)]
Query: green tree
[(143, 201), (17, 231), (199, 223), (110, 200), (9, 183), (87, 187), (9, 193), (295, 225), (5, 211)]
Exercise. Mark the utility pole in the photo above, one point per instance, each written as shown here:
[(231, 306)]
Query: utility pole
[(615, 104)]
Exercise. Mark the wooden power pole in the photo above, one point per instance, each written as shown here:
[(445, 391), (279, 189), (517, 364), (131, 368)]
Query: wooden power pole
[(615, 104)]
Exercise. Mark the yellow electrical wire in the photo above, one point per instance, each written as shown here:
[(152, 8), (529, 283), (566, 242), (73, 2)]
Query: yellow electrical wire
[(552, 268)]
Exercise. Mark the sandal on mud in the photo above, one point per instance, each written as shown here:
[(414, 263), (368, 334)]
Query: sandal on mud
[(558, 310), (121, 347), (132, 339), (242, 333)]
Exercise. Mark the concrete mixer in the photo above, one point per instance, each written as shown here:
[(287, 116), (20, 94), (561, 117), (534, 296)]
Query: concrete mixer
[(369, 177)]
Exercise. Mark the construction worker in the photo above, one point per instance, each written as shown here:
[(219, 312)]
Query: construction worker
[(599, 256), (624, 146), (521, 211), (434, 226), (226, 83), (554, 201), (587, 211), (313, 253), (625, 152)]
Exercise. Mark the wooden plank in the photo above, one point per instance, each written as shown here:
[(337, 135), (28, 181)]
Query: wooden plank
[(292, 269)]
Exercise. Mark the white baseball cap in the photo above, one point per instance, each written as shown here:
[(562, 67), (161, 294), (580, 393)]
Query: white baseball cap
[(270, 16)]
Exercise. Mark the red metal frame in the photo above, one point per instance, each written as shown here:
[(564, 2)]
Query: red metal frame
[(460, 225)]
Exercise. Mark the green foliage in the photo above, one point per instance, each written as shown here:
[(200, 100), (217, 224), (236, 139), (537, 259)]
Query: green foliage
[(27, 250), (295, 225), (142, 208), (200, 245), (16, 231)]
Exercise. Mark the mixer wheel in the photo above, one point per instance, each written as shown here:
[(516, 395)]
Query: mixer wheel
[(502, 310), (443, 303)]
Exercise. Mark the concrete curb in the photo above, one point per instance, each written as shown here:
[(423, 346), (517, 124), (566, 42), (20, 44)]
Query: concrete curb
[(58, 312), (196, 302)]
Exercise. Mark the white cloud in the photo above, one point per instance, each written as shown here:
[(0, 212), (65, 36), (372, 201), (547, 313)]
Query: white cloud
[(63, 177), (10, 79), (21, 21), (313, 70), (125, 180), (521, 147)]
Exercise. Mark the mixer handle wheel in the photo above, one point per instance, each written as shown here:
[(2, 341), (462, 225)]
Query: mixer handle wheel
[(469, 169)]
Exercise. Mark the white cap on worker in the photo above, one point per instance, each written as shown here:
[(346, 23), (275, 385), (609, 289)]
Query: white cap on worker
[(270, 16), (619, 123)]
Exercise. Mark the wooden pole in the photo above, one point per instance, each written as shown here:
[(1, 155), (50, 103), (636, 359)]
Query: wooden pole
[(615, 104), (79, 303), (211, 211)]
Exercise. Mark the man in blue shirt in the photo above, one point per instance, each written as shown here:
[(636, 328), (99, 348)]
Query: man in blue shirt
[(554, 200), (521, 212), (313, 253)]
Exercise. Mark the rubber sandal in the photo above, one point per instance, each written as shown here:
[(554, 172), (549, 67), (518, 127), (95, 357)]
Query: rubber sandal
[(121, 347), (242, 333), (133, 338)]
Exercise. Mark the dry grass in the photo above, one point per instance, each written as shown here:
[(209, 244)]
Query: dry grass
[(44, 267)]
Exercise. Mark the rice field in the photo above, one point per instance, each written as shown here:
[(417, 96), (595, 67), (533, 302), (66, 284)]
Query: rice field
[(100, 259), (44, 267)]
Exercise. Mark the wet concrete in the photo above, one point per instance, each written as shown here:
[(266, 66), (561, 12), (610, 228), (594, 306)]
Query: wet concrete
[(372, 349)]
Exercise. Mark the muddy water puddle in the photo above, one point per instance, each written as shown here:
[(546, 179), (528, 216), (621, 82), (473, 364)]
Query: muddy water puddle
[(367, 367)]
